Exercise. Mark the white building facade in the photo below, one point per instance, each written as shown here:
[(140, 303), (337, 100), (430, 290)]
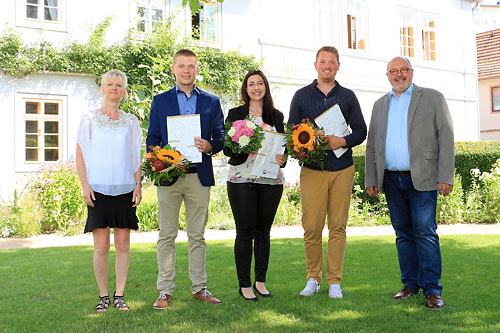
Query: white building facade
[(41, 111)]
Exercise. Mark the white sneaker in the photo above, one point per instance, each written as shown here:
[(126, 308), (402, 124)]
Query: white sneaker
[(312, 287), (335, 291)]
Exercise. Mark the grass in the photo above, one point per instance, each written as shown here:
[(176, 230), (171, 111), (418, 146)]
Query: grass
[(53, 289)]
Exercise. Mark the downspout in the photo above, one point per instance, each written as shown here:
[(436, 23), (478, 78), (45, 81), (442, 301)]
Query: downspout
[(475, 8)]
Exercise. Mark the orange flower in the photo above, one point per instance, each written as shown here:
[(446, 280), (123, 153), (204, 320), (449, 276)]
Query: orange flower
[(169, 156), (150, 156), (303, 136)]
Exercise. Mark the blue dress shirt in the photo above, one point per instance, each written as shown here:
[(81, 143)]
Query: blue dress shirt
[(397, 157), (187, 104)]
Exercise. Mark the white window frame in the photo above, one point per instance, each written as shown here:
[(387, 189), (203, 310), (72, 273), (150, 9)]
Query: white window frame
[(217, 21), (418, 23), (407, 19), (355, 37), (493, 99), (426, 37), (21, 164), (326, 23), (22, 20), (151, 5)]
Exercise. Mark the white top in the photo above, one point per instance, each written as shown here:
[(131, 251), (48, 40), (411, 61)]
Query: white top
[(111, 151)]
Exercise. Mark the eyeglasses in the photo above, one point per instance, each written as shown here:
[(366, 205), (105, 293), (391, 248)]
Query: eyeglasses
[(403, 70)]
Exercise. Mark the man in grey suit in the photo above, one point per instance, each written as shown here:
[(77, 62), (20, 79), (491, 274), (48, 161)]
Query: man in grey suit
[(410, 156)]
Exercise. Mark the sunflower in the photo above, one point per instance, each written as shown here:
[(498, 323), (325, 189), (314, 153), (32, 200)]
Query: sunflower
[(169, 156), (303, 136)]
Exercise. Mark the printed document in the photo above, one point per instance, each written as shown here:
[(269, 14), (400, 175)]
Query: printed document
[(265, 164), (181, 133), (333, 122)]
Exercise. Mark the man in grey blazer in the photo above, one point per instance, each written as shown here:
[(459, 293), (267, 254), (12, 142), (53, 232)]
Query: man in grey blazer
[(410, 156)]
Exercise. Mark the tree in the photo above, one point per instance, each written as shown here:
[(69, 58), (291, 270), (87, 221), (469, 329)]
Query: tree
[(194, 5)]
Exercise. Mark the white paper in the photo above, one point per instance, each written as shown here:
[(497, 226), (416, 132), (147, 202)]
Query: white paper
[(265, 164), (181, 133), (333, 122)]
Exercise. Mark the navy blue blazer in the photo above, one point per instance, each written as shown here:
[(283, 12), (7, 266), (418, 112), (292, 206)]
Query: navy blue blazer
[(212, 126)]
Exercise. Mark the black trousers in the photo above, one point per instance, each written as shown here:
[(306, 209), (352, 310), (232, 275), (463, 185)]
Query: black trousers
[(254, 207)]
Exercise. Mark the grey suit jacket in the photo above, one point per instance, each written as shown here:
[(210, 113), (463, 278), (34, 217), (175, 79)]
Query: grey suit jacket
[(430, 141)]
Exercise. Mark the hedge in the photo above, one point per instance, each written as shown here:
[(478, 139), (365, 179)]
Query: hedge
[(468, 155)]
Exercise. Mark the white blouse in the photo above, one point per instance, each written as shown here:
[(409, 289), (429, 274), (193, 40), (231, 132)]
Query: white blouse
[(111, 151)]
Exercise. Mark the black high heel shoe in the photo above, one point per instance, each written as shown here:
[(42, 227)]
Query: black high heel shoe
[(255, 299), (261, 294)]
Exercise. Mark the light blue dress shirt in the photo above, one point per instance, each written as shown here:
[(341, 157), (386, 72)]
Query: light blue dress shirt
[(397, 157), (187, 104)]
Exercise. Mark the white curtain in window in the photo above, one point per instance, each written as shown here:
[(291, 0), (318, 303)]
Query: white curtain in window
[(51, 10)]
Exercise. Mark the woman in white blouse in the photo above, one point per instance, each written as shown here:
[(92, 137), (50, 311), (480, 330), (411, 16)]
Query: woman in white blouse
[(108, 160)]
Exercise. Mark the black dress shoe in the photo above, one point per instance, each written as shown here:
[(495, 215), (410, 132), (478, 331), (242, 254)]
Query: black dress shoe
[(261, 294), (255, 299)]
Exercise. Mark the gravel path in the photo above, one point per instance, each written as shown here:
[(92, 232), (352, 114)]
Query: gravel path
[(52, 240)]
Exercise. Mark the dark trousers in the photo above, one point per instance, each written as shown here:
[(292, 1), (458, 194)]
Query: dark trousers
[(413, 216), (254, 207)]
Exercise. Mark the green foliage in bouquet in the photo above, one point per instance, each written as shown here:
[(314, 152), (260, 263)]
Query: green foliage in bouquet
[(306, 143), (163, 165)]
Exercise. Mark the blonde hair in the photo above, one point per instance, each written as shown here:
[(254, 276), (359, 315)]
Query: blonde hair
[(114, 73)]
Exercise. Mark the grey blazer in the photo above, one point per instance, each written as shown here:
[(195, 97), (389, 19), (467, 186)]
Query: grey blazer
[(430, 141)]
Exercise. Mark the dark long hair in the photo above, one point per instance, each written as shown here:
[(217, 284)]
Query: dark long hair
[(268, 108)]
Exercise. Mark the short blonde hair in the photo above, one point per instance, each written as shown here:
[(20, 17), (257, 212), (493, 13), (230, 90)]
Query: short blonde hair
[(114, 73)]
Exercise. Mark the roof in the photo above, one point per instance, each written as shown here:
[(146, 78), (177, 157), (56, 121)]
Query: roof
[(488, 54)]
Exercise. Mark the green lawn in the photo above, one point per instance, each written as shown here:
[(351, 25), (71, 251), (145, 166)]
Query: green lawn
[(53, 289)]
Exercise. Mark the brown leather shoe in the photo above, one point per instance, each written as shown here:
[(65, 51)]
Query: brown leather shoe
[(434, 302), (205, 296), (405, 293), (162, 301)]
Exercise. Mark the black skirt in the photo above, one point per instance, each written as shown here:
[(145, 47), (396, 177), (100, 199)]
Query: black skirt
[(111, 211)]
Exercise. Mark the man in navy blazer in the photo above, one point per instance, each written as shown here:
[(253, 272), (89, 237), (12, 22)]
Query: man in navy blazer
[(194, 189)]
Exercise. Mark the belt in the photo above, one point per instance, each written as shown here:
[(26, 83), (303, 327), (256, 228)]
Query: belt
[(399, 172), (192, 169)]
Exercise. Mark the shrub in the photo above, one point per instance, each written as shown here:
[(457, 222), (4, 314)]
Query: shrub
[(483, 200), (57, 189), (468, 155), (451, 209)]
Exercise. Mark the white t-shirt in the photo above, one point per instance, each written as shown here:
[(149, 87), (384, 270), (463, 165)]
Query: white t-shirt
[(111, 151)]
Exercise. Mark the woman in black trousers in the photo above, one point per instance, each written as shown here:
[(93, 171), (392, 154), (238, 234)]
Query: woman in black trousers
[(254, 200)]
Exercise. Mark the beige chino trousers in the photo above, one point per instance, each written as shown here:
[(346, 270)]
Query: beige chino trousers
[(196, 198), (325, 194)]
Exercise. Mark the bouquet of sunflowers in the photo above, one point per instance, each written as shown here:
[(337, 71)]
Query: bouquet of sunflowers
[(162, 165), (243, 136), (306, 143)]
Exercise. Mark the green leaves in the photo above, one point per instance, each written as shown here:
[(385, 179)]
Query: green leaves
[(194, 5)]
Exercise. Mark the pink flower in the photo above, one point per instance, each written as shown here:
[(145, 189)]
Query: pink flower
[(57, 198), (241, 128)]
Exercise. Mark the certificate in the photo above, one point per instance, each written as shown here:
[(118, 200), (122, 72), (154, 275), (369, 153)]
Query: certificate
[(265, 164), (181, 133), (333, 122)]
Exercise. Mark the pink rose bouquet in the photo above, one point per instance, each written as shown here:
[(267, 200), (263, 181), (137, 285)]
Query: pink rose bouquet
[(243, 136)]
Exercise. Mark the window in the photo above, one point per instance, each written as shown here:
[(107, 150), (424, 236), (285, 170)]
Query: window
[(204, 22), (407, 33), (428, 38), (43, 10), (326, 21), (150, 15), (42, 123), (495, 99), (356, 16)]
